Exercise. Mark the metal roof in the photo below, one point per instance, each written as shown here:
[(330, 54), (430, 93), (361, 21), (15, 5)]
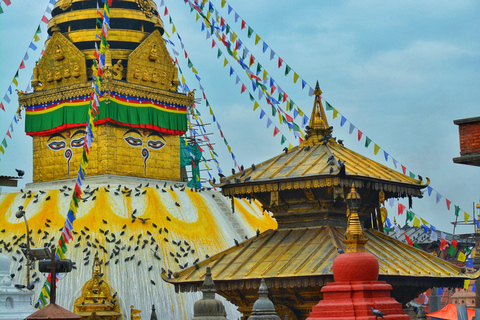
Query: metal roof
[(310, 252)]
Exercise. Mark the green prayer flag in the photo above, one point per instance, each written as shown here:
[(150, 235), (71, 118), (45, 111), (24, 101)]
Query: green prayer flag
[(274, 113), (280, 97), (283, 118), (259, 67), (287, 69), (208, 104), (227, 30), (283, 139), (291, 105), (416, 246), (410, 215), (251, 97), (16, 74), (328, 106), (1, 10), (170, 19), (4, 142), (38, 30), (250, 32), (412, 175), (457, 210), (367, 142), (451, 250), (216, 155), (225, 140), (468, 250), (190, 64)]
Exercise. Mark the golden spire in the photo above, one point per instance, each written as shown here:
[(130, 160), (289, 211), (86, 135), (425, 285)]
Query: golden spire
[(318, 126), (355, 239)]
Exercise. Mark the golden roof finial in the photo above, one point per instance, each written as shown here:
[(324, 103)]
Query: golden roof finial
[(318, 126), (354, 237)]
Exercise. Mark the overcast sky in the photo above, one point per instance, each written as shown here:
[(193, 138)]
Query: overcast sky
[(399, 71)]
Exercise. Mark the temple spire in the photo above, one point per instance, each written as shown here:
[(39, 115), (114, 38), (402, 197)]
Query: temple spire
[(318, 126)]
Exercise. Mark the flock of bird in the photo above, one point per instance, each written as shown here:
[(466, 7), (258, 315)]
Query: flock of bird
[(115, 245)]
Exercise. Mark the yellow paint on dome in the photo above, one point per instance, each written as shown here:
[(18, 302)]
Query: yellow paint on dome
[(249, 213)]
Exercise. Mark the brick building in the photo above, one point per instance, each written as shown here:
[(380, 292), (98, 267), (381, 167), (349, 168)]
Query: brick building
[(469, 131)]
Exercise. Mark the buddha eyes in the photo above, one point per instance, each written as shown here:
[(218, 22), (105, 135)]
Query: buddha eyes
[(133, 141), (77, 143), (56, 145), (136, 142), (155, 144)]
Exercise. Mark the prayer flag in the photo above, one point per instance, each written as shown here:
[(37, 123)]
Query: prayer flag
[(401, 208), (409, 241)]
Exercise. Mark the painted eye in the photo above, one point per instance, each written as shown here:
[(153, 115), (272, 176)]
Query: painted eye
[(77, 143), (156, 144), (56, 145), (133, 141)]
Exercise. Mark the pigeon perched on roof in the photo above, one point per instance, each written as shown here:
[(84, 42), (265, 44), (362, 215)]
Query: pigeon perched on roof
[(377, 313)]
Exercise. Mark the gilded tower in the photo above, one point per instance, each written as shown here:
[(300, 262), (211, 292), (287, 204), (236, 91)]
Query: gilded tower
[(141, 113)]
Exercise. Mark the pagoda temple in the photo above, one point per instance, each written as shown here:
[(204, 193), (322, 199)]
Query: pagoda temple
[(136, 210), (305, 189)]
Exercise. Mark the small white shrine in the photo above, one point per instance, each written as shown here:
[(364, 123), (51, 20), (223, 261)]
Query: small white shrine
[(15, 303)]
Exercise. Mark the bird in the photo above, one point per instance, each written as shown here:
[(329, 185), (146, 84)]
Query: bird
[(177, 204), (47, 198), (144, 220), (377, 313), (340, 250), (285, 150), (150, 268), (20, 173), (258, 233), (152, 282), (236, 242), (233, 171), (104, 221), (168, 218)]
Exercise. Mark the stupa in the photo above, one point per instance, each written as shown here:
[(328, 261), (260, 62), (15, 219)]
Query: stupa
[(15, 303), (136, 212), (305, 188)]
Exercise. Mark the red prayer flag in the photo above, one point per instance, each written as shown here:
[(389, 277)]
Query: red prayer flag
[(448, 203), (186, 55), (222, 21), (200, 148), (273, 89), (243, 24), (443, 244), (22, 65), (1, 106), (403, 168), (285, 96), (409, 241), (166, 11), (454, 243), (289, 119), (360, 133), (275, 131), (44, 19), (204, 96), (109, 2), (243, 88), (7, 2), (252, 60), (401, 208), (8, 134), (280, 62), (213, 44)]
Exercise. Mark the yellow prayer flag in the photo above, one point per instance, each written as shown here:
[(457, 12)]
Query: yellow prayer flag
[(166, 33), (255, 105), (189, 125), (288, 105), (265, 73), (466, 284), (416, 222), (466, 216), (473, 254), (208, 15), (194, 70), (295, 77), (303, 135), (36, 37), (223, 3), (60, 253), (376, 148), (46, 293), (229, 149), (290, 146), (225, 62), (335, 113), (300, 112), (211, 111), (173, 29), (1, 150), (213, 157), (424, 222), (15, 82), (234, 36), (197, 17), (257, 38), (461, 257), (206, 166), (280, 117)]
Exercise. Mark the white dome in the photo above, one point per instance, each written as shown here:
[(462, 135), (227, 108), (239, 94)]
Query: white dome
[(4, 266)]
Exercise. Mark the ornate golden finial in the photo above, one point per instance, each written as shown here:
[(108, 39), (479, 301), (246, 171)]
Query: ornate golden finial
[(55, 28), (318, 126), (355, 239)]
